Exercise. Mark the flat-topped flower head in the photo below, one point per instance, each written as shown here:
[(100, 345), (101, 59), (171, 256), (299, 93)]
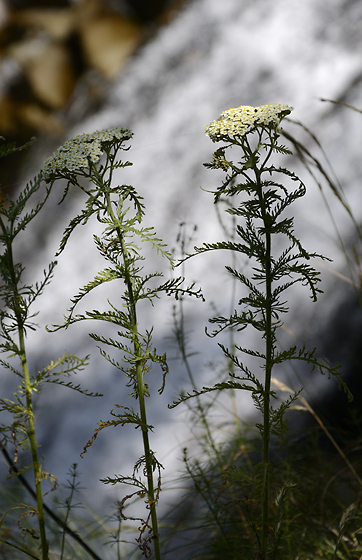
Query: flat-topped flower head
[(78, 152), (241, 120)]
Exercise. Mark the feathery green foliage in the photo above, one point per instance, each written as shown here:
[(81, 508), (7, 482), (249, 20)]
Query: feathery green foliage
[(120, 209), (259, 199), (259, 497), (16, 318)]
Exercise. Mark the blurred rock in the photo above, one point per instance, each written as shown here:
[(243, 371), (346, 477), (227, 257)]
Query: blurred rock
[(35, 117), (146, 11), (53, 50), (107, 40), (48, 67), (59, 57), (58, 23), (27, 117), (47, 49)]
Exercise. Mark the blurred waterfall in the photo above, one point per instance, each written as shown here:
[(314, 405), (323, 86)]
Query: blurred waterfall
[(215, 55)]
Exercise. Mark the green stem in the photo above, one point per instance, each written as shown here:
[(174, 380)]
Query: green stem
[(269, 340), (29, 406), (266, 410), (140, 385), (149, 469), (33, 445)]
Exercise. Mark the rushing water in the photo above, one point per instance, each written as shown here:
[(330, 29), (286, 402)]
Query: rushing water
[(213, 56)]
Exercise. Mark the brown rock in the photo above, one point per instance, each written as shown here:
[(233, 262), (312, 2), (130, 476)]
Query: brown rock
[(48, 68), (57, 23), (23, 119), (108, 41), (39, 119)]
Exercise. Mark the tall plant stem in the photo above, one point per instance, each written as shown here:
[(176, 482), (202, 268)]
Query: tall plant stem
[(140, 385), (149, 469), (269, 340), (266, 411), (29, 406)]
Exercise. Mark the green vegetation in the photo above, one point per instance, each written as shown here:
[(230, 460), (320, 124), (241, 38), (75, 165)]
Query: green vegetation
[(262, 492)]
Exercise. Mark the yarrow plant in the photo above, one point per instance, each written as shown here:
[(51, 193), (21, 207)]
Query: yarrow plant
[(17, 317), (245, 119), (80, 159), (78, 153), (259, 194), (258, 200)]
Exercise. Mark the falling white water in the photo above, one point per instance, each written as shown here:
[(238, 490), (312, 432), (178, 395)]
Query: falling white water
[(215, 55)]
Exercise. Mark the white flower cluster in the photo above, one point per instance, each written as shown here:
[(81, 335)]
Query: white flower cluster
[(77, 152), (239, 121)]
